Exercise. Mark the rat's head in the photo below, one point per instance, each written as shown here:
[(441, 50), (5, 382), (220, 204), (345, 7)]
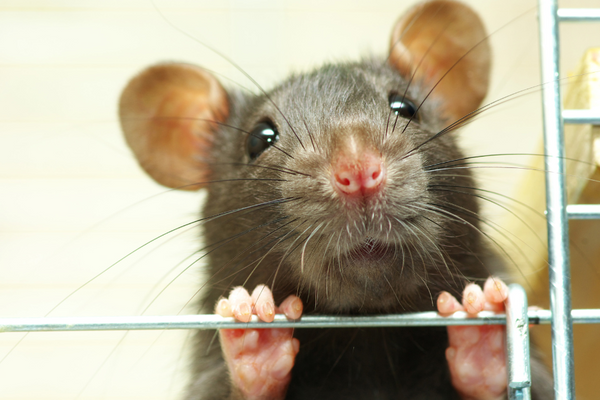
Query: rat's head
[(333, 184)]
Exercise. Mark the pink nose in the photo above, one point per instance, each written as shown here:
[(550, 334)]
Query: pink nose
[(359, 177)]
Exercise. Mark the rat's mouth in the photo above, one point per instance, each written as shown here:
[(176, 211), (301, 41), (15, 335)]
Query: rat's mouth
[(371, 250)]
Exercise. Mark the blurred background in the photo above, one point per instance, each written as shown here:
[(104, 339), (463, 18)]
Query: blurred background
[(73, 201)]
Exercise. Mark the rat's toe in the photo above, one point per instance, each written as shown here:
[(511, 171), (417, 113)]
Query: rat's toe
[(473, 299), (292, 307), (264, 305), (241, 304), (496, 293), (447, 304)]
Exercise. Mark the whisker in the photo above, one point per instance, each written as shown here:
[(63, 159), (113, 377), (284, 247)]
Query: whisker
[(392, 289), (470, 213), (108, 357), (498, 227), (416, 68), (461, 121), (213, 122), (310, 135), (214, 246), (430, 166), (241, 269), (443, 254), (232, 63), (280, 241), (305, 244), (459, 60), (200, 220), (490, 200), (541, 170), (268, 167)]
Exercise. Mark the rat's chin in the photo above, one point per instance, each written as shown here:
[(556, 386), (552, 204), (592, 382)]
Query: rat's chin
[(372, 251)]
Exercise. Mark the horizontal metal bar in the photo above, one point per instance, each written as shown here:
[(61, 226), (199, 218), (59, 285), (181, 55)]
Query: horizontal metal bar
[(583, 211), (581, 117), (578, 14), (580, 316), (210, 321)]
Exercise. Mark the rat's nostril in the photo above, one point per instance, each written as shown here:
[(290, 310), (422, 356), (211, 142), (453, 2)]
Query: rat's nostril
[(343, 181), (347, 181), (373, 176)]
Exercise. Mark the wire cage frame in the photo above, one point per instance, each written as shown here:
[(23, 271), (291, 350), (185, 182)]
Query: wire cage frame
[(517, 317), (556, 205)]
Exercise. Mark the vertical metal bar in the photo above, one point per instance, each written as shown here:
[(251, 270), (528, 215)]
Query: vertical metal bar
[(558, 250), (517, 344)]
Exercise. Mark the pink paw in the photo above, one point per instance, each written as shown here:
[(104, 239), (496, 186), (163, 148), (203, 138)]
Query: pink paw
[(260, 361), (476, 355)]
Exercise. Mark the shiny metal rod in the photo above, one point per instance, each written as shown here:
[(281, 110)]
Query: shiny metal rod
[(558, 232), (211, 321), (517, 344), (579, 14), (581, 117), (583, 211)]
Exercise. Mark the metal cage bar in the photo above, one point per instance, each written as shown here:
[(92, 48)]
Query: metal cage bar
[(583, 211), (517, 344), (211, 321), (581, 117), (578, 14), (556, 209)]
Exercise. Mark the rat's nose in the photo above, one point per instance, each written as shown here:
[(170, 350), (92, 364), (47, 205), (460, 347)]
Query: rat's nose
[(358, 174)]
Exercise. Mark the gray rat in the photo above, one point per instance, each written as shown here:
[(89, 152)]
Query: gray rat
[(337, 192)]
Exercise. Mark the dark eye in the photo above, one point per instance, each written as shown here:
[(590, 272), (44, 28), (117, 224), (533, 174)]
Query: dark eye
[(403, 106), (263, 136)]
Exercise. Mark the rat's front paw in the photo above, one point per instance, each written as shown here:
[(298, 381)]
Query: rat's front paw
[(476, 355), (260, 361)]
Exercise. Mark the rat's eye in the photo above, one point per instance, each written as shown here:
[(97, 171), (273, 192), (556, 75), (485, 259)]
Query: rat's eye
[(403, 106), (263, 136)]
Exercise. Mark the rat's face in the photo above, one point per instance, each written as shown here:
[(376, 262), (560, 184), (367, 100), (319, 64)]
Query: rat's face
[(343, 161), (329, 185)]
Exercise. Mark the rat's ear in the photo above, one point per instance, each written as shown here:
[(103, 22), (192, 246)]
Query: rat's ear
[(169, 114), (439, 37)]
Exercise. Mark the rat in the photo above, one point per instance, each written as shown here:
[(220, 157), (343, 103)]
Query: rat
[(341, 191)]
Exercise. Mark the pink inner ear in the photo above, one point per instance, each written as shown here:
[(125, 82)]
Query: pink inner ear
[(443, 43), (169, 115)]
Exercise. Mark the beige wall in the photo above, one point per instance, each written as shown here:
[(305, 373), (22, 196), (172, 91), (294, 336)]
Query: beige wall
[(73, 201)]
